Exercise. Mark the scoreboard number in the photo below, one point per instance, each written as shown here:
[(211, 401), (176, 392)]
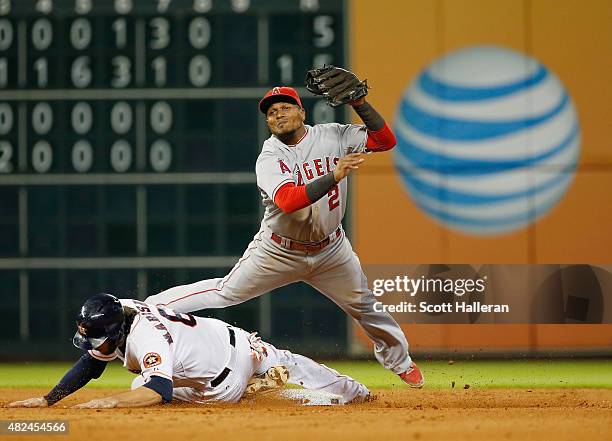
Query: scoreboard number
[(6, 41), (161, 117), (199, 71), (309, 5), (122, 71), (160, 32), (82, 118), (160, 156), (241, 5), (42, 118), (42, 72), (80, 72), (323, 31), (202, 6), (123, 6), (80, 33), (6, 118), (159, 71), (6, 34), (42, 156), (121, 118), (82, 156), (162, 5), (83, 7), (44, 6), (42, 34), (121, 156), (120, 28), (199, 33), (5, 7), (6, 154)]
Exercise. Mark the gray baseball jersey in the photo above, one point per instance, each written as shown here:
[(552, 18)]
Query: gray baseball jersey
[(315, 155), (334, 270)]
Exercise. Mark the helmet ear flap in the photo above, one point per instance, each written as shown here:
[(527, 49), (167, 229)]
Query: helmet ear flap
[(118, 337)]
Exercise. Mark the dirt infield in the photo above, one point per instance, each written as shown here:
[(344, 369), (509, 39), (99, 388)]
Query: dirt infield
[(399, 414)]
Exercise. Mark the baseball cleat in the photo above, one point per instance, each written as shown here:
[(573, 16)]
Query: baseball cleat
[(413, 376), (274, 378)]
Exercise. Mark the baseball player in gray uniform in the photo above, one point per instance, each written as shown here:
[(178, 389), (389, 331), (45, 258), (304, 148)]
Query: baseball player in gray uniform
[(301, 173), (181, 357)]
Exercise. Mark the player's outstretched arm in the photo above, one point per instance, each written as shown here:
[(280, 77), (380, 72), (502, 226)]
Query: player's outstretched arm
[(155, 391), (78, 376), (340, 86), (30, 402)]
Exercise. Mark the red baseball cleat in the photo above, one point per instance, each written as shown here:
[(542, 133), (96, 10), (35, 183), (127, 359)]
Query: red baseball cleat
[(413, 376)]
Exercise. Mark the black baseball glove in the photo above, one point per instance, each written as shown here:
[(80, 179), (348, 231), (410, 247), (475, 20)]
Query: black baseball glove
[(339, 86)]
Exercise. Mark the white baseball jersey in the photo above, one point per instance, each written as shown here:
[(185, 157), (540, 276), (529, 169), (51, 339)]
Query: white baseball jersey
[(315, 155), (190, 351)]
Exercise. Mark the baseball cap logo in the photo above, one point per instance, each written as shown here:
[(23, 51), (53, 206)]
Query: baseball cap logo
[(276, 91)]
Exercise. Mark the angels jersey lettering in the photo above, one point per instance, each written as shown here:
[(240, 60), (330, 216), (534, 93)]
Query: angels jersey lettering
[(315, 155)]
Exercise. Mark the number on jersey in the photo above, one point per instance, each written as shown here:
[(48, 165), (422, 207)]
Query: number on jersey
[(173, 316)]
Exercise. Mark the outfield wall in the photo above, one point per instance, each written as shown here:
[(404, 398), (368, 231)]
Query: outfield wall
[(391, 43)]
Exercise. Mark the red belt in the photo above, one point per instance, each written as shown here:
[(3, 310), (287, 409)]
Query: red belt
[(306, 247)]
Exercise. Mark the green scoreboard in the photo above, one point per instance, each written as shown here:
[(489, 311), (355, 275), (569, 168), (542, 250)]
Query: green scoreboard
[(129, 131)]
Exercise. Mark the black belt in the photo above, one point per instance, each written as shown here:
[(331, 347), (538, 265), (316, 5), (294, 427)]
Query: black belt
[(223, 375)]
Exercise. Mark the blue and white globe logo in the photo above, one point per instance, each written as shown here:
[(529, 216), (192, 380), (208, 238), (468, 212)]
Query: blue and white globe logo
[(488, 140)]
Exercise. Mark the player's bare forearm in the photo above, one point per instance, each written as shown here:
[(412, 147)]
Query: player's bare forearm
[(141, 397), (78, 376)]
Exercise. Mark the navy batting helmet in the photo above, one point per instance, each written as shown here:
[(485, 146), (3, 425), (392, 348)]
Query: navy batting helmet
[(100, 319)]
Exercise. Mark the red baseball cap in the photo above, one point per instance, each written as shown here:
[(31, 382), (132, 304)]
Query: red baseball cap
[(282, 94)]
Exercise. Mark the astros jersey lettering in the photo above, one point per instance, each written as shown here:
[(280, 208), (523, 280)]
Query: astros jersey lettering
[(315, 155)]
